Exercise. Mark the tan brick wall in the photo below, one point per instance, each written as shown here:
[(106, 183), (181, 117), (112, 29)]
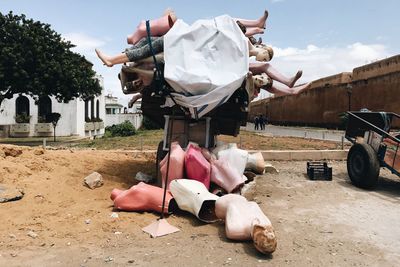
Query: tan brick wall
[(344, 77), (378, 68), (375, 86)]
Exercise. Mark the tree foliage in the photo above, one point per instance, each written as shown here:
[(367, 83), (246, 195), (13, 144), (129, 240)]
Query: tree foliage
[(36, 61)]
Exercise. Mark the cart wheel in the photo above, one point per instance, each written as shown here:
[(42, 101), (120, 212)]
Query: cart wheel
[(160, 155), (363, 166)]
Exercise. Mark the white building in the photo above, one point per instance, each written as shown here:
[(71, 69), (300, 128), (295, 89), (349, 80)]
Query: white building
[(78, 117), (117, 113)]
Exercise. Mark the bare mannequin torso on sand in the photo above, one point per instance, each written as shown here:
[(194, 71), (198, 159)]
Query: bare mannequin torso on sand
[(142, 197), (244, 220)]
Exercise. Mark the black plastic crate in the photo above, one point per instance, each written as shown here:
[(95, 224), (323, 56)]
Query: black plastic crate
[(319, 170)]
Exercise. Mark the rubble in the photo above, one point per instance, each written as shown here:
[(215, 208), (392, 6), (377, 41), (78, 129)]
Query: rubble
[(142, 177), (12, 152), (8, 193), (32, 234), (94, 180)]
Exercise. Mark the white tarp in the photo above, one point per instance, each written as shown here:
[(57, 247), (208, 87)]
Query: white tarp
[(205, 62)]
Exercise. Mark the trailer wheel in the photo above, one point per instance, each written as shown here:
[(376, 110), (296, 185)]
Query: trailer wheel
[(363, 166)]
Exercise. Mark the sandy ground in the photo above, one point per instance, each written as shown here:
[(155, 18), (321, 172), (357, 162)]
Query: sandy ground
[(318, 223)]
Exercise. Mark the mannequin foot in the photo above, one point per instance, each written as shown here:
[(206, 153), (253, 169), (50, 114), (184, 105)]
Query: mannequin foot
[(254, 30), (295, 78), (263, 19), (129, 39), (104, 58), (301, 88)]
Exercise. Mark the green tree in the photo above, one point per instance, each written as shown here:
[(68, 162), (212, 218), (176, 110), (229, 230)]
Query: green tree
[(36, 61)]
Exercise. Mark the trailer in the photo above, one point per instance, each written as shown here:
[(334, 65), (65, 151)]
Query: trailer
[(375, 145)]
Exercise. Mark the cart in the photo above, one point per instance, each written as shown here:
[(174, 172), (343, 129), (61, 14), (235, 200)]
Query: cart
[(375, 145)]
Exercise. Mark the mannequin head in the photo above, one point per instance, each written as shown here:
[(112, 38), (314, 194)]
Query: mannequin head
[(264, 53), (264, 238), (262, 81)]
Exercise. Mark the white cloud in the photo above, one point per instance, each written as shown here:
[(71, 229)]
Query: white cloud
[(85, 45), (83, 42), (318, 62)]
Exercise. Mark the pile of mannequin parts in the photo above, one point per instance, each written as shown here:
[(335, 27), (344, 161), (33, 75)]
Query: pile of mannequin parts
[(202, 65), (192, 174), (194, 56)]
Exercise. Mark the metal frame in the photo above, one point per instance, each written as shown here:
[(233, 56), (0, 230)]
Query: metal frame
[(167, 126), (363, 125)]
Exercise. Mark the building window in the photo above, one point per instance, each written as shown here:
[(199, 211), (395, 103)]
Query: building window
[(22, 106), (98, 109), (44, 108), (92, 108)]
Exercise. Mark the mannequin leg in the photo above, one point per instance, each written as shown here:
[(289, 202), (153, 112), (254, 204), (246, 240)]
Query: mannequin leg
[(136, 54), (260, 23), (132, 54), (258, 68), (158, 27), (253, 30), (281, 90), (110, 61)]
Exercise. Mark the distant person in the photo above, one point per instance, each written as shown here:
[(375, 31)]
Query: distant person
[(262, 123), (256, 123)]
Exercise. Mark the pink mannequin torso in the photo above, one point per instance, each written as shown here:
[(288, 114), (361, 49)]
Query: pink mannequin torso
[(140, 197)]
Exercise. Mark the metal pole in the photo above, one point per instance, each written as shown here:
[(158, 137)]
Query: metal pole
[(44, 143), (168, 161)]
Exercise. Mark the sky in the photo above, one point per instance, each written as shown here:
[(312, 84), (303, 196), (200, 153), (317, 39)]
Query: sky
[(320, 37)]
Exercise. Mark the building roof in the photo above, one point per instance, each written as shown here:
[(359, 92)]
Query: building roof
[(114, 105)]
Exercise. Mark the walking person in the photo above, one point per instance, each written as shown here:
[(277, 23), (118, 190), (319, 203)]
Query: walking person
[(260, 122), (256, 123)]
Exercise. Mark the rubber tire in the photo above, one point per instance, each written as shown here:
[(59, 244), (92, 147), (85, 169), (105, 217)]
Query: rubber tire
[(363, 166)]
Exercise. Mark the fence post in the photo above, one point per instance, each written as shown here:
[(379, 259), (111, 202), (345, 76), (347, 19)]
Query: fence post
[(342, 142)]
